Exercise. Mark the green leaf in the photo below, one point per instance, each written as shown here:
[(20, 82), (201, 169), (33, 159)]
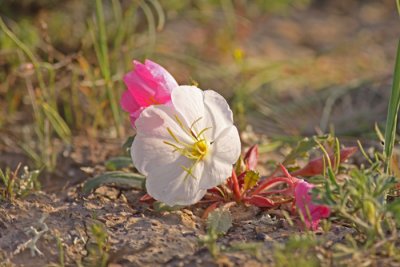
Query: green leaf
[(118, 163), (219, 221), (120, 178), (240, 166), (303, 147), (128, 143), (269, 146), (250, 179), (394, 208)]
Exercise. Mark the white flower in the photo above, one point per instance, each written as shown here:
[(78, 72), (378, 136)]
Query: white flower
[(187, 147)]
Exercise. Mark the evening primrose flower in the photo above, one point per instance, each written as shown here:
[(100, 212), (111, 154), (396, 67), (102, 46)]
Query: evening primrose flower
[(148, 84), (186, 148)]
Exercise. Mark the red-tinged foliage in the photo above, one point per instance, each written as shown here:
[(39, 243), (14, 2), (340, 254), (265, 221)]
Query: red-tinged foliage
[(209, 209), (316, 166), (251, 158), (281, 187), (260, 201), (235, 186), (146, 198), (269, 183)]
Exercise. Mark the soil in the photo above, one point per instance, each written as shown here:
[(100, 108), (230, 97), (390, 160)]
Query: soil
[(137, 235)]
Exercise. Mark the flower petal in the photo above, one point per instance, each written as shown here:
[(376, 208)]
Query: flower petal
[(149, 148), (142, 90), (219, 114), (227, 146), (173, 185), (128, 102), (188, 101), (215, 173), (225, 151), (161, 74)]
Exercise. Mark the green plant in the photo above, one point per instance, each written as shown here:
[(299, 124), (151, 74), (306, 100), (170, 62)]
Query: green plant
[(298, 251), (116, 177), (15, 185), (98, 247), (218, 223), (363, 202)]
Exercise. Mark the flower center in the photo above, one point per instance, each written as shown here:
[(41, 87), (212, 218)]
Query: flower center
[(196, 150), (199, 149)]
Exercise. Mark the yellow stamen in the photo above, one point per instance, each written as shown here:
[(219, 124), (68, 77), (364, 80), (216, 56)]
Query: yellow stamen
[(195, 151)]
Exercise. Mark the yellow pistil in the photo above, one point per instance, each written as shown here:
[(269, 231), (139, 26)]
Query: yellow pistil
[(196, 150), (200, 149)]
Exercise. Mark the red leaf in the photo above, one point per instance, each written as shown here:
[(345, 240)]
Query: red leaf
[(260, 201), (316, 166), (251, 158), (146, 198)]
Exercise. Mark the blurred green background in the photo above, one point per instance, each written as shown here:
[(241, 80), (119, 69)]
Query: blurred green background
[(288, 67)]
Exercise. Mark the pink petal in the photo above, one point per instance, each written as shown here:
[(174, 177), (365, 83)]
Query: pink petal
[(128, 103), (307, 207), (162, 74), (141, 90)]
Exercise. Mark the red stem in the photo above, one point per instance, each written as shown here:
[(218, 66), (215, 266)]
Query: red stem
[(268, 182), (236, 188), (279, 191), (210, 209)]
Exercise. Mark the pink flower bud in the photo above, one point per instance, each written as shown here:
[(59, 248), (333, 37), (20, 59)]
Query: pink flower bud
[(148, 84), (311, 212)]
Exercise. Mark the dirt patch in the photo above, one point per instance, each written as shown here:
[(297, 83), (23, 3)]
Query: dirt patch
[(137, 235)]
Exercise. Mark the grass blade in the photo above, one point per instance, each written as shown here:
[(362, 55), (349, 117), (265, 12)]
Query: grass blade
[(393, 109), (57, 122), (102, 56)]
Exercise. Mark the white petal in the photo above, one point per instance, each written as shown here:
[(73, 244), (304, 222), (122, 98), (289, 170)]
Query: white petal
[(148, 148), (226, 146), (215, 173), (172, 185), (225, 151), (219, 115), (189, 102)]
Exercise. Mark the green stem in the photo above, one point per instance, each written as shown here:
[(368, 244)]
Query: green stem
[(393, 109)]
